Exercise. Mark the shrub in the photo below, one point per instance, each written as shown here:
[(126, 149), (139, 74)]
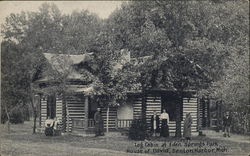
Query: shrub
[(16, 116), (138, 130)]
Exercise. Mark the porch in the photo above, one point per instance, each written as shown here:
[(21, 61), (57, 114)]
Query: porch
[(80, 126)]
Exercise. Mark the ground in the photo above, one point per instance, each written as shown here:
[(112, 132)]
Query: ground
[(21, 142)]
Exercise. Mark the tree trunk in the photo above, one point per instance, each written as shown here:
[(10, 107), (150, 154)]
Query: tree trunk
[(245, 123), (35, 113), (8, 119), (34, 125), (178, 115)]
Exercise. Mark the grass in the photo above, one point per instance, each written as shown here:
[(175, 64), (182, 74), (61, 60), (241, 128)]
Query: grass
[(21, 142)]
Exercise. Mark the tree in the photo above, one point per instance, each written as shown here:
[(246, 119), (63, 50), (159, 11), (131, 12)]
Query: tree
[(44, 31), (190, 31), (17, 77)]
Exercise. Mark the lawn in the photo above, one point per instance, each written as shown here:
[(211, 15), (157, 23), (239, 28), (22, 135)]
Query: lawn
[(21, 142)]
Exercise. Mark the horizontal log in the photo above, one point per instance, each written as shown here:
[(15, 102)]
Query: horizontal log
[(190, 106), (190, 101), (77, 116), (76, 113), (153, 103), (137, 110), (137, 101), (153, 106), (71, 110), (192, 98), (138, 98), (152, 96), (76, 104), (137, 105), (189, 110)]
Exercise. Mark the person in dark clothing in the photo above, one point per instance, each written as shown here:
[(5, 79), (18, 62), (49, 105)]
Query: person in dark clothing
[(227, 124), (164, 124), (98, 123), (155, 122)]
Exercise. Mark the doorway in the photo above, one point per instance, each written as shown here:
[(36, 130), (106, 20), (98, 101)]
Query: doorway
[(169, 101)]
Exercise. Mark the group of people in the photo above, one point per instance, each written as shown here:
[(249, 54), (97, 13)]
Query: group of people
[(164, 129)]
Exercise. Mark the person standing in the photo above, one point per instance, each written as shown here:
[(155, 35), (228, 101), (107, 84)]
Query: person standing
[(98, 123), (155, 121), (164, 124), (187, 126), (227, 123)]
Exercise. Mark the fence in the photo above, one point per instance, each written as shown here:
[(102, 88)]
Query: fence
[(81, 124)]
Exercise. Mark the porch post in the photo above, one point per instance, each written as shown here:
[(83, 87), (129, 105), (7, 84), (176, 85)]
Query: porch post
[(86, 110), (198, 115), (40, 111), (143, 111), (67, 112), (64, 113), (107, 120), (208, 113)]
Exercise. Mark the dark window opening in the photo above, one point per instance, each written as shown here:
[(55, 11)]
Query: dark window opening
[(169, 102), (51, 107)]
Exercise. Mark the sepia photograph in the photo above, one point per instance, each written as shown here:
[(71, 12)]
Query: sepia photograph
[(125, 78)]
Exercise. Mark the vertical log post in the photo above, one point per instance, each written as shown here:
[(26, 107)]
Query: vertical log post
[(40, 111), (107, 121), (86, 111), (67, 112), (64, 115), (198, 115), (208, 112), (143, 112)]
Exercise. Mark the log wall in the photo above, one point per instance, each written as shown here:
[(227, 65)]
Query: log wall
[(153, 103), (137, 104), (75, 105), (43, 112)]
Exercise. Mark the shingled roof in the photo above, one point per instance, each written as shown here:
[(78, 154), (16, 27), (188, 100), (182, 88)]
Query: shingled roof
[(76, 59), (68, 61)]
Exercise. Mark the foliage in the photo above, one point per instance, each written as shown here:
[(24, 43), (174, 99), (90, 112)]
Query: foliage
[(16, 116), (191, 45), (27, 35), (205, 35), (138, 130)]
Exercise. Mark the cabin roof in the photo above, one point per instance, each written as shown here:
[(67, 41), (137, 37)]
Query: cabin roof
[(76, 59), (65, 62)]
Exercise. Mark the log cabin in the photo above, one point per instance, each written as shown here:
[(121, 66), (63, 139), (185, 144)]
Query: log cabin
[(75, 109)]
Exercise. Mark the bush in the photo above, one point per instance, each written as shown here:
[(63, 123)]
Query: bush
[(3, 117), (16, 116), (138, 130)]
